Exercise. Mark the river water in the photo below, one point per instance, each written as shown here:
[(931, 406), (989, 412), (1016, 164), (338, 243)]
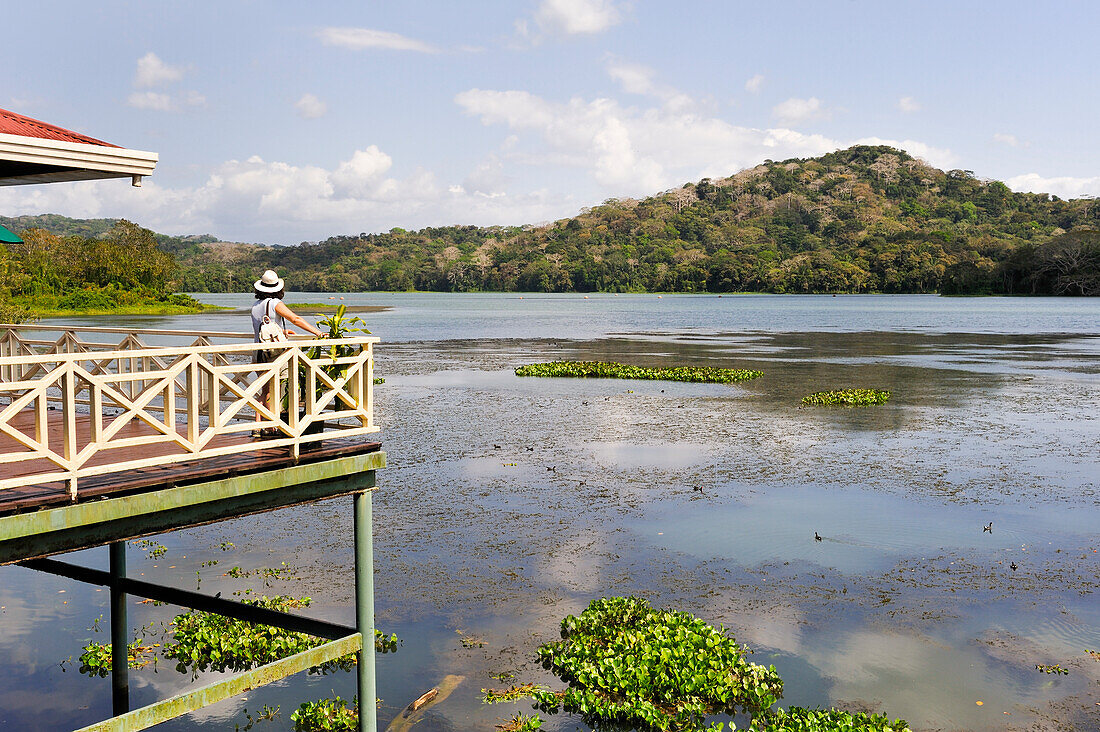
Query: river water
[(512, 502)]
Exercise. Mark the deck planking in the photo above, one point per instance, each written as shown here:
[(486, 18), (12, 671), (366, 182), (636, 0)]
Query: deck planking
[(34, 495)]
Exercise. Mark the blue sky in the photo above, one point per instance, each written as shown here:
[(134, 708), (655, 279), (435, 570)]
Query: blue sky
[(281, 122)]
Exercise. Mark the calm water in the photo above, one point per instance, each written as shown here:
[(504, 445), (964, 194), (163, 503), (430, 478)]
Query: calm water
[(511, 502)]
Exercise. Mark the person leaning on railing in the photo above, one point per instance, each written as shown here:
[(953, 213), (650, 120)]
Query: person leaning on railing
[(270, 290)]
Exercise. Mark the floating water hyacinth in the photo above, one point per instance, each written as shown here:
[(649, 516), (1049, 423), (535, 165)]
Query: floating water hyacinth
[(612, 370), (846, 397)]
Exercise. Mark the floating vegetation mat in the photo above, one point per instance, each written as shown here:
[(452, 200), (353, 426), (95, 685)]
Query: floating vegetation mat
[(846, 397), (612, 370), (631, 666)]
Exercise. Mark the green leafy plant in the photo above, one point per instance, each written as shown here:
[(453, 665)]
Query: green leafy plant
[(97, 657), (336, 327), (266, 714), (326, 714), (521, 723), (520, 691), (205, 641), (155, 549), (1051, 669), (798, 719), (846, 397), (629, 665), (612, 370)]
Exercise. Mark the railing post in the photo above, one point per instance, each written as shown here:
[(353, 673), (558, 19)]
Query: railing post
[(68, 422), (192, 398), (120, 661), (364, 611)]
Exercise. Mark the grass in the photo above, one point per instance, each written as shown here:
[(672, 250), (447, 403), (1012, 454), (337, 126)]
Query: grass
[(612, 370), (846, 397)]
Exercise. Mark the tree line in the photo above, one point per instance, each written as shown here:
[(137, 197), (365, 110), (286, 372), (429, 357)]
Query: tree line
[(866, 219)]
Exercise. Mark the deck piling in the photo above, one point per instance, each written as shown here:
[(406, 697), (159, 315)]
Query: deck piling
[(120, 657), (364, 611)]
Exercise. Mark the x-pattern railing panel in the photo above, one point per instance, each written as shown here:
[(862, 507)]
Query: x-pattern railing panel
[(171, 404)]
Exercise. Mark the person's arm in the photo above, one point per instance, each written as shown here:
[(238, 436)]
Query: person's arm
[(282, 309)]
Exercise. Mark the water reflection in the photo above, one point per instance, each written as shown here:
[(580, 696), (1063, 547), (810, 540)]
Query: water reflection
[(511, 502)]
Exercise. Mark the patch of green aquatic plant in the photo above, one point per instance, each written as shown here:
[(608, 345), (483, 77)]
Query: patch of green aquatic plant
[(284, 571), (156, 549), (519, 691), (379, 380), (326, 714), (798, 719), (204, 641), (1055, 669), (267, 713), (612, 370), (470, 641), (97, 657), (630, 665), (521, 723), (846, 397)]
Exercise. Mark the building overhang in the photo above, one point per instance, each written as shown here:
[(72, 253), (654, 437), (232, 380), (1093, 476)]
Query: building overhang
[(25, 160)]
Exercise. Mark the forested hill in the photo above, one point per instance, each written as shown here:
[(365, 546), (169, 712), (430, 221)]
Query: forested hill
[(866, 219)]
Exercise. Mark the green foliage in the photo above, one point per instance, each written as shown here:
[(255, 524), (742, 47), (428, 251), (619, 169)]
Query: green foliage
[(204, 641), (96, 658), (326, 714), (120, 269), (866, 219), (611, 370), (266, 714), (155, 549), (521, 723), (629, 665), (1055, 669), (519, 691), (797, 719), (846, 397)]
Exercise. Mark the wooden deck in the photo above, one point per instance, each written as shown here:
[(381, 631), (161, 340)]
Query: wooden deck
[(37, 495)]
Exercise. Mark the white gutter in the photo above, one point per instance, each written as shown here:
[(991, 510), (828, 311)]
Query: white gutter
[(81, 161)]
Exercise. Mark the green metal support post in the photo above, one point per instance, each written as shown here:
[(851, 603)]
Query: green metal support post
[(120, 666), (364, 611)]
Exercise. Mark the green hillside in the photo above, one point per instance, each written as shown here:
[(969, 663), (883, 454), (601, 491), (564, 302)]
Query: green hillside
[(866, 219)]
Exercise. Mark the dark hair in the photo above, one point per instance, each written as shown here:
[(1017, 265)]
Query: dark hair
[(263, 295)]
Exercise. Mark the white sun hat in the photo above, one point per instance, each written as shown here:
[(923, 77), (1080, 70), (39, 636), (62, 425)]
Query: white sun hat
[(270, 282)]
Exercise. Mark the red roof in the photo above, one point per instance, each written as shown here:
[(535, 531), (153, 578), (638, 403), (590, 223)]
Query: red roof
[(16, 124)]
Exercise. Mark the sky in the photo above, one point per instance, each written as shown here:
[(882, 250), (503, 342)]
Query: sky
[(283, 122)]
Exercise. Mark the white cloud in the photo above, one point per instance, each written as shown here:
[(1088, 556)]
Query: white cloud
[(358, 39), (755, 84), (638, 79), (796, 110), (1063, 187), (908, 105), (577, 16), (311, 107), (164, 102), (151, 100), (630, 151), (276, 202), (1006, 139), (151, 71)]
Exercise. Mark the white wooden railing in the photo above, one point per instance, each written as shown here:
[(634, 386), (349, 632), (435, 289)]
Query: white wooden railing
[(186, 399)]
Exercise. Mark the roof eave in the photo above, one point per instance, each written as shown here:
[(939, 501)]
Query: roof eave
[(67, 161)]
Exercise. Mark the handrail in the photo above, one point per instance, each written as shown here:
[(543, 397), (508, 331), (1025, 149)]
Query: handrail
[(174, 403), (129, 331), (156, 351)]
